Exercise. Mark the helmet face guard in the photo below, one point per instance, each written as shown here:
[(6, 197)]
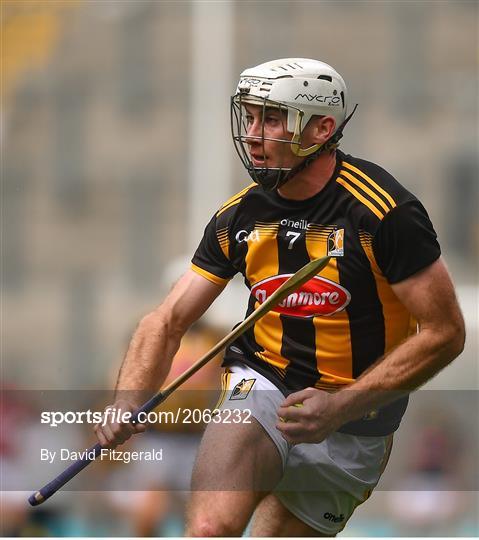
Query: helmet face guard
[(269, 178)]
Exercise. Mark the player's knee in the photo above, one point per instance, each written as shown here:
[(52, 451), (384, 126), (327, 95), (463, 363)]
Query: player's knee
[(210, 527)]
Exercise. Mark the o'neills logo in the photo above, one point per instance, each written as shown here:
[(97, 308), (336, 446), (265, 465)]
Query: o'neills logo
[(318, 296)]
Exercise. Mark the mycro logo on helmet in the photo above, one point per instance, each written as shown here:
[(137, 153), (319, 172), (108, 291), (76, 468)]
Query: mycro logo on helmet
[(318, 296), (245, 85), (333, 518), (252, 82), (328, 100)]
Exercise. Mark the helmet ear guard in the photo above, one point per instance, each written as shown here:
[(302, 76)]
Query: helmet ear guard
[(296, 140)]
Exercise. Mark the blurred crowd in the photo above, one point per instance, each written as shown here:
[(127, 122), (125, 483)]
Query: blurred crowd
[(135, 499)]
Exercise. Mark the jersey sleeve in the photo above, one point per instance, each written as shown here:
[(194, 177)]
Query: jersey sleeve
[(405, 242), (210, 259)]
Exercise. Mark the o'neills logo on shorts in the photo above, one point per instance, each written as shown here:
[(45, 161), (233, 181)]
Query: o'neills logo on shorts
[(318, 296)]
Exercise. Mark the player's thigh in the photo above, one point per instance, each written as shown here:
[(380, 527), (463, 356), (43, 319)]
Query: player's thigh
[(272, 518), (238, 457), (236, 465)]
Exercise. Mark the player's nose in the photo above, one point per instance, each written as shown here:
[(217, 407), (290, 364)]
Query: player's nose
[(254, 132)]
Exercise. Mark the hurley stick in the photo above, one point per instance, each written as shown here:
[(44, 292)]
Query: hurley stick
[(303, 275)]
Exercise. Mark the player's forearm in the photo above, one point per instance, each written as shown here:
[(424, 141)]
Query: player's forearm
[(148, 360), (404, 369)]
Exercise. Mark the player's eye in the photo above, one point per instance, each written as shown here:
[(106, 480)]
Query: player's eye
[(272, 119)]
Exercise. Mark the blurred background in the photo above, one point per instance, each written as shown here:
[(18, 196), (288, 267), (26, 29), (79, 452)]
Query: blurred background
[(115, 152)]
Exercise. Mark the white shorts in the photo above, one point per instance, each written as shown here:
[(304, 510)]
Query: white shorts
[(323, 482)]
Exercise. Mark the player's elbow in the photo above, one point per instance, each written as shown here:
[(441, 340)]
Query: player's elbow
[(454, 337), (159, 321), (459, 339)]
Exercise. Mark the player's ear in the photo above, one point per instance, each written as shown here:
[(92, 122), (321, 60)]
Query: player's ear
[(322, 128)]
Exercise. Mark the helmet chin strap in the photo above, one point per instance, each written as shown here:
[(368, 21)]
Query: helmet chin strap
[(271, 179)]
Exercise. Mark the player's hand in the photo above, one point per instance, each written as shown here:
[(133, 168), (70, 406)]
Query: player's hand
[(110, 431), (308, 416)]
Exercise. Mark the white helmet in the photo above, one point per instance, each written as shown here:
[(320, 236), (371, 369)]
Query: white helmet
[(300, 86)]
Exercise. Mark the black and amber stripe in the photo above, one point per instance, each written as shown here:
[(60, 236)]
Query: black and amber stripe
[(262, 254), (318, 235), (398, 322), (332, 334), (235, 199), (319, 232), (366, 319), (223, 240), (262, 262), (298, 340), (208, 275), (365, 190), (266, 229)]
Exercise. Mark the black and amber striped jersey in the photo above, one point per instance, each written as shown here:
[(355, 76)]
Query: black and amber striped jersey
[(340, 322)]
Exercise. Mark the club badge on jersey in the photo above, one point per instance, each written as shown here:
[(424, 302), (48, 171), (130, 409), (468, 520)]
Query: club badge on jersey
[(336, 243), (242, 389)]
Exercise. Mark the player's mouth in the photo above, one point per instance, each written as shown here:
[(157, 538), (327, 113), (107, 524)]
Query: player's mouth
[(259, 160)]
